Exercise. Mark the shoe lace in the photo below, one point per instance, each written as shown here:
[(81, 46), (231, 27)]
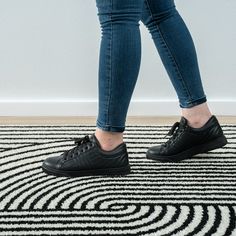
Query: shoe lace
[(174, 132), (80, 143)]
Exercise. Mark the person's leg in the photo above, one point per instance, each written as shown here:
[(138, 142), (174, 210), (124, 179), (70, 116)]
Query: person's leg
[(177, 51), (119, 63), (104, 152), (198, 130)]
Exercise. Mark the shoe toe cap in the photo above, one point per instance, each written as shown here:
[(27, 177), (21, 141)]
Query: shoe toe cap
[(51, 162), (154, 150)]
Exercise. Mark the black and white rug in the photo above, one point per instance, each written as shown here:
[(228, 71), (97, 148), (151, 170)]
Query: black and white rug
[(194, 197)]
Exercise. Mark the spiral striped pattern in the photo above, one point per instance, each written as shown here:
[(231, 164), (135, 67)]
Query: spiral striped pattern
[(193, 197)]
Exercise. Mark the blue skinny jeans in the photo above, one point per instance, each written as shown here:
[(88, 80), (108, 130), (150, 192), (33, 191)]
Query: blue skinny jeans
[(120, 56)]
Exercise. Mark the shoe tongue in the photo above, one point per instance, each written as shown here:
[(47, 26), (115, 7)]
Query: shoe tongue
[(183, 122), (94, 139)]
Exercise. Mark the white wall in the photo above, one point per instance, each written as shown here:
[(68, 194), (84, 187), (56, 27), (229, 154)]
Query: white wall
[(49, 58)]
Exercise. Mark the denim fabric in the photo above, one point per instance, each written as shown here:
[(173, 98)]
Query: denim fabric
[(120, 55)]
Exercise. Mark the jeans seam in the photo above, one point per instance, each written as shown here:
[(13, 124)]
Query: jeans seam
[(171, 55), (110, 72)]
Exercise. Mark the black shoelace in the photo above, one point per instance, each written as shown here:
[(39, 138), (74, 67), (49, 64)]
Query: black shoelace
[(174, 132), (81, 145)]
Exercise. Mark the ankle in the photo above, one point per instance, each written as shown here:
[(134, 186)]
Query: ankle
[(197, 116), (197, 122), (108, 140)]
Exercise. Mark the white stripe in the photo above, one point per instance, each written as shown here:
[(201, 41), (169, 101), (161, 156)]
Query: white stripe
[(148, 199), (120, 215), (195, 221), (63, 213), (211, 212), (234, 230), (224, 223)]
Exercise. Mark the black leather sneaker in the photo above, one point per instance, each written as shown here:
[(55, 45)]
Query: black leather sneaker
[(186, 141), (88, 158)]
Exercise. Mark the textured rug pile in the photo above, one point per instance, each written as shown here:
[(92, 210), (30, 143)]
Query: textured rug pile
[(193, 197)]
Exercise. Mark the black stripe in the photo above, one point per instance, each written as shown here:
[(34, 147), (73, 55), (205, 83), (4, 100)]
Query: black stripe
[(218, 218), (203, 222), (89, 212), (232, 224), (90, 125)]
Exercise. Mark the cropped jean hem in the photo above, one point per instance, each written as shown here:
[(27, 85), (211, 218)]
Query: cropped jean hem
[(194, 103), (110, 128)]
